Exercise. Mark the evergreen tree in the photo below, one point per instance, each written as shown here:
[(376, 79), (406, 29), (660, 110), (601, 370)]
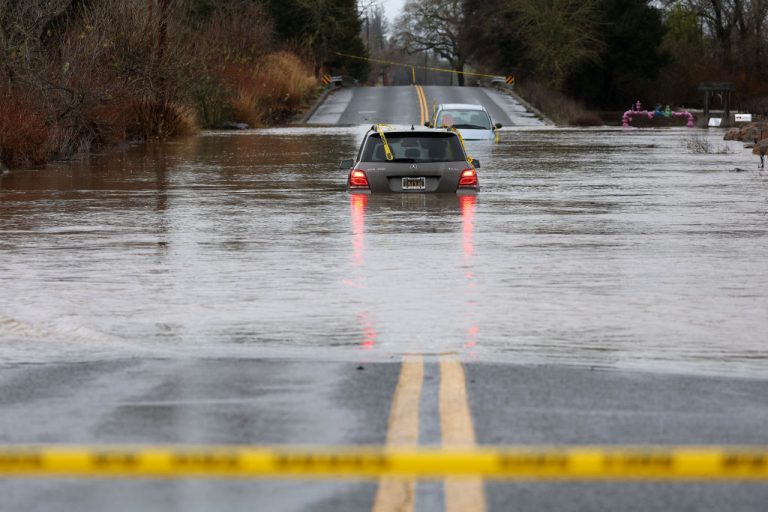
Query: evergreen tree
[(632, 32)]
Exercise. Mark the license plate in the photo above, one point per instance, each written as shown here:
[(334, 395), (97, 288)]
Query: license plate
[(414, 183)]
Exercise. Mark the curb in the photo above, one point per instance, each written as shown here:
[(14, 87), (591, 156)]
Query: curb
[(319, 101), (528, 106)]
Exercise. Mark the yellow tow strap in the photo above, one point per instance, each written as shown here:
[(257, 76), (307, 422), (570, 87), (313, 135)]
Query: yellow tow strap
[(453, 128), (387, 151)]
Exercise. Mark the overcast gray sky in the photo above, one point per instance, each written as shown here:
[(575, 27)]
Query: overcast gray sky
[(392, 8)]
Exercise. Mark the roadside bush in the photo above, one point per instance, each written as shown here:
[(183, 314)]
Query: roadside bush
[(79, 76), (213, 102), (558, 107), (244, 80), (698, 144), (23, 130), (149, 118), (285, 82), (238, 31), (750, 132), (144, 64), (266, 92), (291, 79), (103, 72)]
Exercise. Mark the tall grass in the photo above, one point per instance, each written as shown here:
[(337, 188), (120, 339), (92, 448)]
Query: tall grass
[(113, 71), (272, 90), (246, 80), (23, 130), (559, 108), (158, 119)]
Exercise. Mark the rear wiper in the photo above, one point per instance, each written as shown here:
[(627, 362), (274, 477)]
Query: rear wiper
[(470, 126), (406, 160)]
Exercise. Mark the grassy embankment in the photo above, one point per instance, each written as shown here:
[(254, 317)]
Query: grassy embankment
[(562, 110), (117, 72)]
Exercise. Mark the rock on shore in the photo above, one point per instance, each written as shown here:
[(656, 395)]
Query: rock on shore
[(751, 132)]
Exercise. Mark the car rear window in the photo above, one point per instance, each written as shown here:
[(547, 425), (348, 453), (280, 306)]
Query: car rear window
[(471, 119), (415, 148)]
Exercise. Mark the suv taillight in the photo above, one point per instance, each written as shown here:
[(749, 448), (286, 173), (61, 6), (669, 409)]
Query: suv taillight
[(468, 178), (358, 179)]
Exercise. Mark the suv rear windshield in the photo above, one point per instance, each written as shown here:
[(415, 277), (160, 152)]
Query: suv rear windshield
[(415, 148), (472, 119)]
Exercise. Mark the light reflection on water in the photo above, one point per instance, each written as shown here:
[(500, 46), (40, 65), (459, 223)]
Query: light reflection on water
[(605, 248)]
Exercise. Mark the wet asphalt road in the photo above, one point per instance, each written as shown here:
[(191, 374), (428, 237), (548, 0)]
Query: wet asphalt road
[(398, 105), (604, 288), (241, 401)]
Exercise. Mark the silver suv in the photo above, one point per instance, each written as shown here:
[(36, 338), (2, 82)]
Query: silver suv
[(411, 161)]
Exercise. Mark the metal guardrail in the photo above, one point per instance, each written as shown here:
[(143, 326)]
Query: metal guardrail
[(511, 463), (503, 81)]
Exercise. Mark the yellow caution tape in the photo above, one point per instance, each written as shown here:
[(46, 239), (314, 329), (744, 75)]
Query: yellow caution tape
[(576, 463), (412, 66), (387, 151), (454, 129)]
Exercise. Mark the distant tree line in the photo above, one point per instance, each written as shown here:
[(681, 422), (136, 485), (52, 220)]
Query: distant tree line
[(606, 53)]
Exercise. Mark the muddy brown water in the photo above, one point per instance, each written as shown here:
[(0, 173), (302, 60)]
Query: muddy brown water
[(606, 247)]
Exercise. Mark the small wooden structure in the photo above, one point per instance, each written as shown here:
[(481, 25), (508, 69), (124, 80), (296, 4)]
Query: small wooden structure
[(723, 90)]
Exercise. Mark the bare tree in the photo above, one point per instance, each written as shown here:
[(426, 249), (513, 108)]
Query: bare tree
[(434, 26), (375, 26), (737, 26), (22, 30)]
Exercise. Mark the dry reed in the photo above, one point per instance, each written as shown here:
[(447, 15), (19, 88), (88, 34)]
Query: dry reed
[(24, 135), (558, 107), (272, 90)]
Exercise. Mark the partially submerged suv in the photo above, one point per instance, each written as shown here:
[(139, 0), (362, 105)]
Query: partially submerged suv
[(411, 160), (474, 121)]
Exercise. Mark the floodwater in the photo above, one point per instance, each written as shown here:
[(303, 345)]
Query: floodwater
[(607, 247)]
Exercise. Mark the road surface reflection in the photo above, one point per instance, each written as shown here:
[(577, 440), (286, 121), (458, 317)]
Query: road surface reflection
[(467, 205)]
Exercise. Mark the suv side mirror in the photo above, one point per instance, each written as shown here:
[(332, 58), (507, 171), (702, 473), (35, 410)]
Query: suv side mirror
[(497, 125), (476, 163), (346, 164)]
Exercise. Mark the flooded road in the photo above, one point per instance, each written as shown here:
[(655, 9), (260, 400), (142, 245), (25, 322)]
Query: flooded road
[(600, 248), (605, 287)]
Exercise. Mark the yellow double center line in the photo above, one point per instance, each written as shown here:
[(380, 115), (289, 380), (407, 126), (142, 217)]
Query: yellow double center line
[(423, 108), (398, 493)]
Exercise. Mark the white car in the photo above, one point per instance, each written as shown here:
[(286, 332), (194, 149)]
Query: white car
[(473, 121)]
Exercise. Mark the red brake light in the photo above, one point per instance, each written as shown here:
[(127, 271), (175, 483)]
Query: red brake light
[(358, 179), (468, 178)]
